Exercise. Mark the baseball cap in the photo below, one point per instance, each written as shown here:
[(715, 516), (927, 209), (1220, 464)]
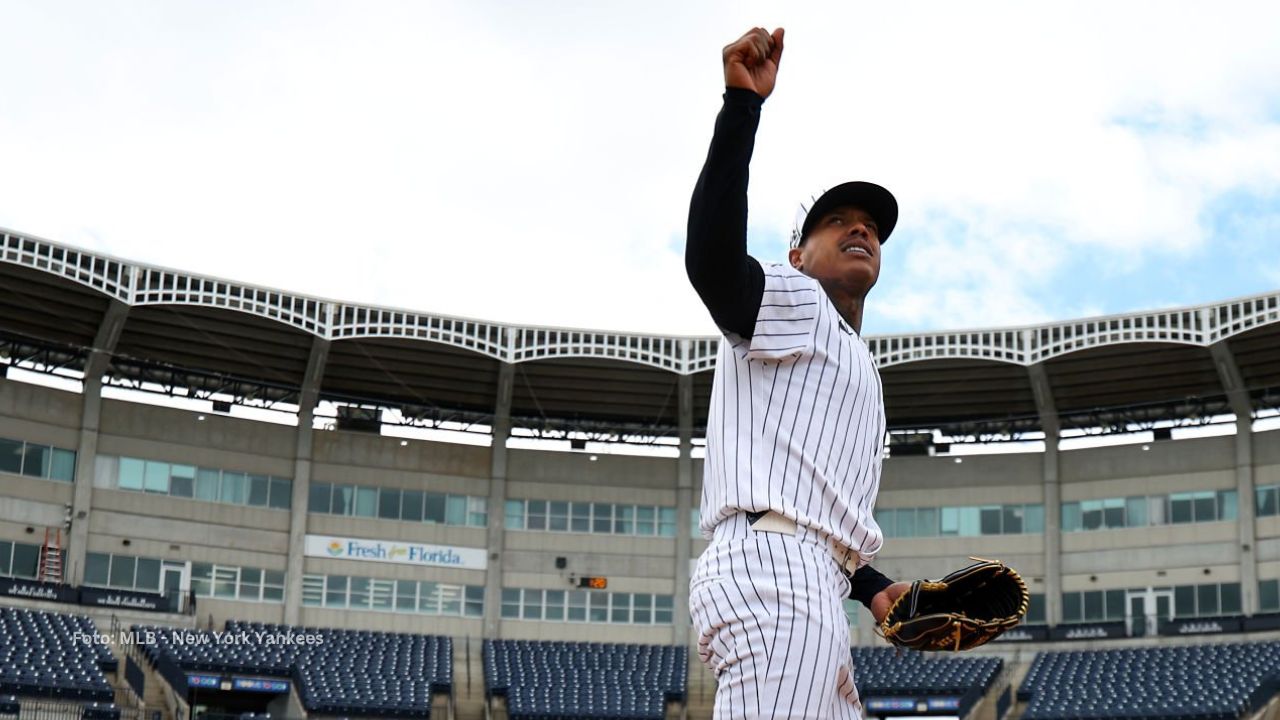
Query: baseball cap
[(875, 200)]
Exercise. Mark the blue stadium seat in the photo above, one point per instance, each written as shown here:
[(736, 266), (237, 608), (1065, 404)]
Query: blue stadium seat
[(352, 672), (889, 671), (584, 681), (1197, 682), (52, 655)]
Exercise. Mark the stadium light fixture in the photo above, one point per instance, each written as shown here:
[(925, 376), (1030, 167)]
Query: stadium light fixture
[(200, 418), (404, 443)]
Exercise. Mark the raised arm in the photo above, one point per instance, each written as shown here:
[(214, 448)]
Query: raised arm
[(729, 281)]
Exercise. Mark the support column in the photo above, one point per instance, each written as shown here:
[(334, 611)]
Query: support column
[(1238, 395), (1052, 494), (104, 344), (498, 500), (301, 498), (684, 508)]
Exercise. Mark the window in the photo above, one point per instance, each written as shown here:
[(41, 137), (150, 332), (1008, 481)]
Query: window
[(202, 580), (927, 522), (558, 516), (514, 515), (667, 521), (26, 559), (576, 610), (646, 520), (1181, 508), (182, 480), (281, 494), (122, 569), (1071, 517), (477, 511), (234, 490), (11, 456), (554, 607), (602, 518), (598, 607), (147, 576), (1268, 501), (156, 478), (259, 490), (1036, 610), (366, 502), (407, 595), (532, 605), (510, 603), (1268, 595), (1184, 601), (228, 582), (250, 584), (312, 590), (580, 517), (1230, 599), (389, 504), (207, 483), (318, 497), (335, 591), (434, 508), (537, 517), (474, 595), (403, 596), (273, 585), (455, 510), (620, 608), (1227, 505), (35, 461), (1135, 511), (63, 466), (1072, 607), (411, 506), (131, 473), (906, 525), (96, 566)]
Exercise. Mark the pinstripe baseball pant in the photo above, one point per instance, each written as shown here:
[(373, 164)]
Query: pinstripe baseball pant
[(769, 611)]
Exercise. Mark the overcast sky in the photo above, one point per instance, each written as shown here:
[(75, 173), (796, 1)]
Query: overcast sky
[(532, 162)]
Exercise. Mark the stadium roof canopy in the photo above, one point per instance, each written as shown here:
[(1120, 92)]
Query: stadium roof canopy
[(202, 337)]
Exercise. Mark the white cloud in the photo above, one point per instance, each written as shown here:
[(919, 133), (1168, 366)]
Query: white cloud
[(533, 162)]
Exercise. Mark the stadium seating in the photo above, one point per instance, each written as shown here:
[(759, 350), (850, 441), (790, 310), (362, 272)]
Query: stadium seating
[(584, 681), (351, 672), (888, 671), (52, 655), (1197, 682)]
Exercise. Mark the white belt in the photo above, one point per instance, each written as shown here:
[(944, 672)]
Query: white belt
[(777, 523)]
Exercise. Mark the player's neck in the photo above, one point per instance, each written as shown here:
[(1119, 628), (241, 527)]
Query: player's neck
[(848, 303)]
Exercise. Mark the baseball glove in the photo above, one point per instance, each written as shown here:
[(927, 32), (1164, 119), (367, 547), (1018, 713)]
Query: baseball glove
[(963, 610)]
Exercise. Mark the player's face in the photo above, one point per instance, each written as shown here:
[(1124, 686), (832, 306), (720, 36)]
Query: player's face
[(842, 247)]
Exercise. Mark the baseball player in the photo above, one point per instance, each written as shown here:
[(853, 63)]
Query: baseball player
[(795, 429)]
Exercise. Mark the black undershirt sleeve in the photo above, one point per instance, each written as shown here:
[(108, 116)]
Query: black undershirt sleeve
[(866, 583), (729, 281)]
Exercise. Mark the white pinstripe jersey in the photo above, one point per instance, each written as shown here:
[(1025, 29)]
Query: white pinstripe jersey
[(796, 423)]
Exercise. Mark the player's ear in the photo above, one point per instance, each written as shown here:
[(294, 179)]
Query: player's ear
[(796, 256)]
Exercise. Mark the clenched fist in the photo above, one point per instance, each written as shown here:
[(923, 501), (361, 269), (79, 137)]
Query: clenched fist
[(751, 61)]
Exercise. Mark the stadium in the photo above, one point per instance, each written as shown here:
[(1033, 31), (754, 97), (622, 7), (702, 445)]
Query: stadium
[(227, 501)]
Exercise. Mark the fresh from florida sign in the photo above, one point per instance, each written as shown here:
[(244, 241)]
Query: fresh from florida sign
[(402, 553)]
